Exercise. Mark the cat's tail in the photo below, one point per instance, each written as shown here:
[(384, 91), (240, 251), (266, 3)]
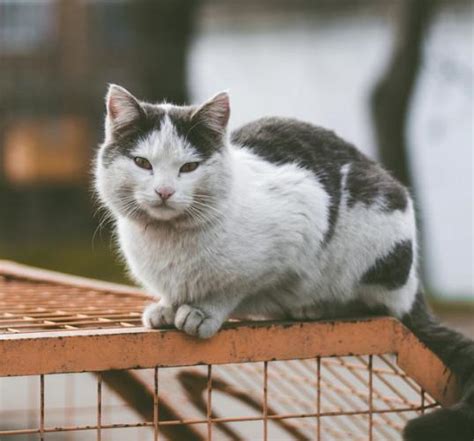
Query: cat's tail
[(457, 353)]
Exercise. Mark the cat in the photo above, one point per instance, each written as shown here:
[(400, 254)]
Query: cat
[(280, 219)]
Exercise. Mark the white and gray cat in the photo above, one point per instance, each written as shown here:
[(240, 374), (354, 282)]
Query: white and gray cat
[(281, 220)]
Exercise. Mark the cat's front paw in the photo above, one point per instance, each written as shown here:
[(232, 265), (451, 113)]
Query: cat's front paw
[(158, 315), (195, 322)]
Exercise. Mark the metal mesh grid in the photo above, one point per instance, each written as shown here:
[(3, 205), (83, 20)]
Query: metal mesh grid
[(324, 399), (31, 306)]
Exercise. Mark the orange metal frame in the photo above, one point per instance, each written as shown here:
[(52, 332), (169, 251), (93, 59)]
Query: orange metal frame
[(65, 348)]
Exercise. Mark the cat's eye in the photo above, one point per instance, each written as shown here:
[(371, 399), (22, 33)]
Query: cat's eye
[(189, 167), (142, 162)]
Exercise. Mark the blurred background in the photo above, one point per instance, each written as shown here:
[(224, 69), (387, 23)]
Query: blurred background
[(395, 77)]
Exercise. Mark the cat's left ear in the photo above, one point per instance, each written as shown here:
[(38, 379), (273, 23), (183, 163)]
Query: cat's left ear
[(214, 113)]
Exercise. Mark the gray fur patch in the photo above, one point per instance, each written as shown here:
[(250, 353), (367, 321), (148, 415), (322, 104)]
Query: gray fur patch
[(370, 184), (199, 134), (392, 270)]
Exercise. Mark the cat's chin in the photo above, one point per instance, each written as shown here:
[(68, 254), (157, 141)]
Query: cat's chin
[(163, 213)]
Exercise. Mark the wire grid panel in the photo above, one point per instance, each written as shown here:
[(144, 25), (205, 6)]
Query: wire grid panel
[(32, 306), (324, 399)]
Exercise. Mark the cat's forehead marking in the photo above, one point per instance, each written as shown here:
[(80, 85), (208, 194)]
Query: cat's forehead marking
[(182, 134), (166, 107), (165, 131), (165, 143)]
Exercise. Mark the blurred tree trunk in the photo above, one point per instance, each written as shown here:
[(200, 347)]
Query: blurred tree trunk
[(391, 97), (392, 94), (163, 29)]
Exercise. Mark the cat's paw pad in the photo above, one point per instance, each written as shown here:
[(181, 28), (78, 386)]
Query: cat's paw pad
[(195, 322), (156, 316)]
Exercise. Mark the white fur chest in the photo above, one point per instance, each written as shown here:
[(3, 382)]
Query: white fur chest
[(163, 262)]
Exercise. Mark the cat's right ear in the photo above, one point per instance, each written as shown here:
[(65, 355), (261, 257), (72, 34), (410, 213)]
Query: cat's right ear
[(123, 109)]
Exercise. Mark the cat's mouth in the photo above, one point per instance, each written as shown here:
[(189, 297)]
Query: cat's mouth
[(153, 202), (161, 206), (162, 211)]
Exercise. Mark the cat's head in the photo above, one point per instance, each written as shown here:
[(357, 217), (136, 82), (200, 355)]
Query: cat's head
[(160, 161)]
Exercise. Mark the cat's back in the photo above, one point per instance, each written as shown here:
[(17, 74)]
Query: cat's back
[(338, 165), (351, 180), (282, 140)]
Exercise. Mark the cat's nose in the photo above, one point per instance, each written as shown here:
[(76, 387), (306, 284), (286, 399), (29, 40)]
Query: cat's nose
[(164, 192)]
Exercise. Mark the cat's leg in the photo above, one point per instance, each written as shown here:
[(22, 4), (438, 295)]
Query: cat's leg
[(159, 314), (204, 318)]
